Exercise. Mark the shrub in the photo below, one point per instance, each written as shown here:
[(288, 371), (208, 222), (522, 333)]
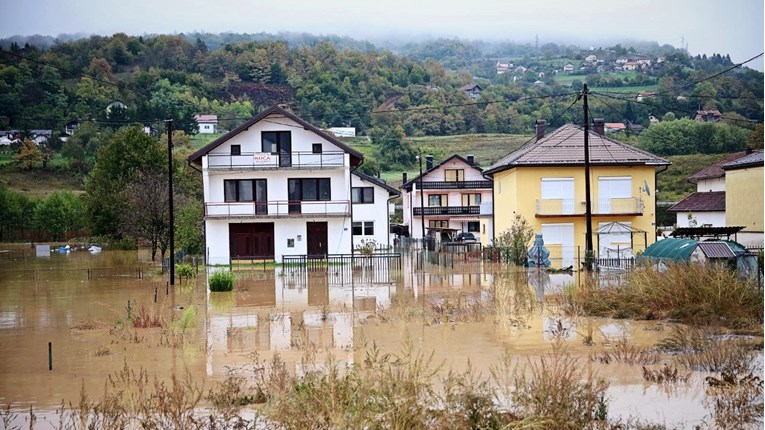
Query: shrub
[(221, 281), (184, 270)]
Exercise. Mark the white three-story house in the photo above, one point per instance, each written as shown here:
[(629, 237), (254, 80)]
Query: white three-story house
[(277, 185)]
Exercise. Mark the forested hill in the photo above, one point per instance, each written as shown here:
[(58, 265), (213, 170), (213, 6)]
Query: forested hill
[(337, 81)]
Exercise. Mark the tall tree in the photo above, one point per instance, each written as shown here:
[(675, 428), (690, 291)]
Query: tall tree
[(129, 152)]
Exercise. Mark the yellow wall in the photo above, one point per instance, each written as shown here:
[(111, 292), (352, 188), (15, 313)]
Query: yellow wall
[(517, 191), (743, 198)]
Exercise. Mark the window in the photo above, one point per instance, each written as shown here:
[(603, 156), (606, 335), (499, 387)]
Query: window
[(454, 175), (363, 228), (236, 149), (438, 200), (562, 190), (309, 189), (362, 195), (473, 226), (247, 190), (278, 142), (438, 223), (473, 199), (316, 148)]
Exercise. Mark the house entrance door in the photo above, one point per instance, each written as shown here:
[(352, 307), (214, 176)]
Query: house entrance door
[(316, 233)]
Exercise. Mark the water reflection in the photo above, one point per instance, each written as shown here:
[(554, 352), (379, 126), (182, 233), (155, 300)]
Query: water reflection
[(475, 311)]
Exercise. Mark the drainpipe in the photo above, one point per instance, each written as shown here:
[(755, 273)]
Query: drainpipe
[(350, 196), (493, 199)]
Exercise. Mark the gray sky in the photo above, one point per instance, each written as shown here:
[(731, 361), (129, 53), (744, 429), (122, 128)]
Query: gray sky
[(732, 27)]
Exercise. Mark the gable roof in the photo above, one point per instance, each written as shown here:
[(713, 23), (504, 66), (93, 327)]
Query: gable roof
[(565, 147), (751, 160), (206, 118), (408, 184), (712, 201), (379, 182), (716, 169), (356, 157)]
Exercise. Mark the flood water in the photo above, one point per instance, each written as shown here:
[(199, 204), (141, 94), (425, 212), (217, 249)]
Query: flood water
[(473, 312)]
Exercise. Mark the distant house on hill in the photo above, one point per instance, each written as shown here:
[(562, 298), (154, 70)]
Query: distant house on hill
[(503, 67), (568, 67), (614, 127), (343, 131), (472, 90), (207, 123), (708, 115)]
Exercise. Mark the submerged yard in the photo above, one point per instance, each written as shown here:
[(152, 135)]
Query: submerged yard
[(482, 345)]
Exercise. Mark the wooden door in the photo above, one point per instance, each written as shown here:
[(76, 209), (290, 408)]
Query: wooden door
[(316, 233)]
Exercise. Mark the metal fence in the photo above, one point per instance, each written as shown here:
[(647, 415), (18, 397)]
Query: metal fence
[(335, 262)]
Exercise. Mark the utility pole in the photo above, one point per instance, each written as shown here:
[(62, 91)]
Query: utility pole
[(422, 204), (169, 123), (588, 254)]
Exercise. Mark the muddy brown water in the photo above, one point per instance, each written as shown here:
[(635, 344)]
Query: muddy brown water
[(77, 301)]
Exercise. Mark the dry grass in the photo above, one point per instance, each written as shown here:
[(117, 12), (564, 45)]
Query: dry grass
[(665, 375), (689, 293), (624, 352), (706, 350), (147, 319), (736, 401)]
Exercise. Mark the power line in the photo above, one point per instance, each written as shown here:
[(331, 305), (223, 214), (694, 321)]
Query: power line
[(488, 102)]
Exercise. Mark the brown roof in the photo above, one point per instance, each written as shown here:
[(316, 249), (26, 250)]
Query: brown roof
[(565, 147), (356, 156), (715, 170), (712, 201), (206, 118)]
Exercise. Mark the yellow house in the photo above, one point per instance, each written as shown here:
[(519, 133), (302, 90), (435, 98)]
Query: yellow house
[(744, 197), (544, 182)]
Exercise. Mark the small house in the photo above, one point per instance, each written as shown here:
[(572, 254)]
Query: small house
[(207, 123)]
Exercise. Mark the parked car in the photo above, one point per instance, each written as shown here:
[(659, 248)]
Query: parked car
[(466, 237)]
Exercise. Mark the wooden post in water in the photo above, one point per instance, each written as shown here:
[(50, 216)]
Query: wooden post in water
[(50, 355)]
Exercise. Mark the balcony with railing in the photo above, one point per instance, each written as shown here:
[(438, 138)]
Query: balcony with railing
[(278, 160), (600, 207), (455, 185), (447, 210), (278, 209)]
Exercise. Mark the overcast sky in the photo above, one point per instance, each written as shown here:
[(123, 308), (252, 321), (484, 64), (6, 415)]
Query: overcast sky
[(732, 27)]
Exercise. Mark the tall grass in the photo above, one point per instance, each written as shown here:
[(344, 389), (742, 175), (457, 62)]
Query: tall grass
[(221, 280), (689, 293)]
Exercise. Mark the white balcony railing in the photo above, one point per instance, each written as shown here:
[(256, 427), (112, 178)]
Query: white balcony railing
[(617, 206), (267, 160), (277, 208)]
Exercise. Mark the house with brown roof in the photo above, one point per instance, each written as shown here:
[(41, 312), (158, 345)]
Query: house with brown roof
[(451, 196), (473, 91), (277, 185), (708, 115), (705, 207), (207, 123), (544, 182)]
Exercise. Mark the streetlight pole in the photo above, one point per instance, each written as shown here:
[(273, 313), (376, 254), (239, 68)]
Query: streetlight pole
[(422, 205)]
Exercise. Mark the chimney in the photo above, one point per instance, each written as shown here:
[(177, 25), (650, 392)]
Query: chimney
[(540, 123), (599, 126), (428, 162), (403, 178), (471, 159)]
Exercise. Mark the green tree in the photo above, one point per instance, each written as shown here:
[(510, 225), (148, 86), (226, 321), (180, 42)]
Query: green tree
[(129, 152), (29, 155), (16, 210), (59, 214), (517, 239), (755, 137), (190, 226)]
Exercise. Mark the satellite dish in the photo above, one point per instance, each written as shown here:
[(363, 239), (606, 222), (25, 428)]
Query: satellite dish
[(646, 188)]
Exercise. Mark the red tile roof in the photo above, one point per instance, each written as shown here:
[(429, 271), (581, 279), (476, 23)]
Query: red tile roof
[(565, 147), (715, 170), (206, 118), (712, 201)]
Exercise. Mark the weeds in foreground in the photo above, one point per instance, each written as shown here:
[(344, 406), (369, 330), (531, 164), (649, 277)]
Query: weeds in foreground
[(146, 319), (627, 353), (736, 401), (665, 375), (705, 350), (688, 293)]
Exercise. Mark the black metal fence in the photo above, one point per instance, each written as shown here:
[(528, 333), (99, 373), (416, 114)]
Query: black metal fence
[(336, 262)]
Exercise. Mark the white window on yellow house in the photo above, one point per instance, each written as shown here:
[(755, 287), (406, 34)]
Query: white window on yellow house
[(559, 240), (615, 195), (454, 175), (557, 196), (472, 199)]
